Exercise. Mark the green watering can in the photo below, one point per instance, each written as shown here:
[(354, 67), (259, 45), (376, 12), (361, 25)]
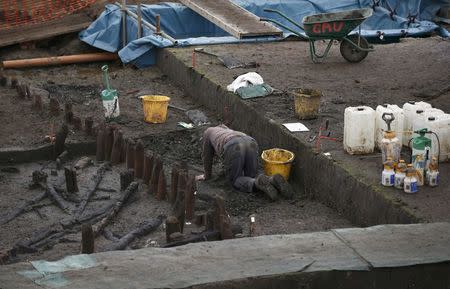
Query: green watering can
[(110, 97)]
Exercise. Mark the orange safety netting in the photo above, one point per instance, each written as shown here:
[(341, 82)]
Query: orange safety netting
[(14, 13)]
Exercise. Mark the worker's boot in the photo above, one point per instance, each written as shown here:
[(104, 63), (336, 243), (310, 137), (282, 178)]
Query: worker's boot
[(283, 187), (263, 184)]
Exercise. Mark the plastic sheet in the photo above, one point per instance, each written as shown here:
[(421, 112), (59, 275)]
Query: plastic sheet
[(391, 18)]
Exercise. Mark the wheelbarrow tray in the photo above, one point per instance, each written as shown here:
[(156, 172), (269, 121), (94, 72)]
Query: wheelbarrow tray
[(334, 25)]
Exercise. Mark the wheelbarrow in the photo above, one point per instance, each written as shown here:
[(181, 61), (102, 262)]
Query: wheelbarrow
[(332, 26)]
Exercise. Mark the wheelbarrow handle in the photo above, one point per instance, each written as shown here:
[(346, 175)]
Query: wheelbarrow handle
[(285, 27), (284, 16)]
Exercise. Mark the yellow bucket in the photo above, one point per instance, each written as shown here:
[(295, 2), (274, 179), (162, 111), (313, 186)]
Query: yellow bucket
[(277, 161), (155, 108), (307, 102)]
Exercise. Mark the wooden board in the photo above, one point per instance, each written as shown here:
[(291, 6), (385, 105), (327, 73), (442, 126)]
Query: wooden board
[(32, 32), (232, 18)]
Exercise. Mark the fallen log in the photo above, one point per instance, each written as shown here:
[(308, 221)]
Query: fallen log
[(131, 189), (22, 209), (57, 199), (144, 229), (97, 179), (202, 237)]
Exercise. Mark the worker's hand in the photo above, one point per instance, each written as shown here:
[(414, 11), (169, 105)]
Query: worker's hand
[(200, 178)]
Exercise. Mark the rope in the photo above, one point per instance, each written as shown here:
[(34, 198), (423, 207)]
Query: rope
[(16, 13)]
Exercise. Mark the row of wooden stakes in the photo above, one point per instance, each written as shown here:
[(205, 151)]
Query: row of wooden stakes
[(149, 167)]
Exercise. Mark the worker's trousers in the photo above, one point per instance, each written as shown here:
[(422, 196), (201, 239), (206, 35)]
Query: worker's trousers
[(241, 162)]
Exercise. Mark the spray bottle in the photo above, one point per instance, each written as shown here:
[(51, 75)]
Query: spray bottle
[(110, 97), (400, 174), (410, 185), (390, 144), (433, 173), (421, 147), (388, 175)]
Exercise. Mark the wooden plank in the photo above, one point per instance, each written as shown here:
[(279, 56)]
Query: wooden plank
[(32, 32), (232, 18)]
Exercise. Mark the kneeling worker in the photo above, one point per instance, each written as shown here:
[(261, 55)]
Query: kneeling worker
[(240, 157)]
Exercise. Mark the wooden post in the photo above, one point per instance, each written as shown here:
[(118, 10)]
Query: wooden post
[(158, 24), (71, 180), (100, 154), (139, 19), (126, 178), (162, 186), (60, 140), (179, 206), (37, 102), (221, 220), (109, 139), (209, 222), (148, 167), (174, 183), (54, 106), (88, 123), (117, 147), (139, 159), (157, 166), (253, 226), (68, 113), (123, 151), (172, 226), (130, 154), (87, 239), (14, 82), (28, 91), (190, 197), (77, 124), (3, 80)]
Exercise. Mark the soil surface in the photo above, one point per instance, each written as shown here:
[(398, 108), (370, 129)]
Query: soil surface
[(413, 69), (81, 85)]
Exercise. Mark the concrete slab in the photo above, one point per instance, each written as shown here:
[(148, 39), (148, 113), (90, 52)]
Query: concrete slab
[(265, 257), (207, 262), (400, 245)]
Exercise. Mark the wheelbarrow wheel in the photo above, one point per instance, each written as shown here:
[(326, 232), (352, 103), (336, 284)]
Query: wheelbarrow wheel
[(350, 52)]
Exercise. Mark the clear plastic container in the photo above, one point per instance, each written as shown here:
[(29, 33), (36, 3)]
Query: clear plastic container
[(359, 130), (380, 124)]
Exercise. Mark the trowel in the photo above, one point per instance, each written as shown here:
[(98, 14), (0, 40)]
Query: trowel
[(226, 59)]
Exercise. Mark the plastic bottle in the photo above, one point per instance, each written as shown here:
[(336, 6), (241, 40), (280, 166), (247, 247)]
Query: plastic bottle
[(409, 109), (390, 145), (421, 148), (410, 182), (400, 174), (433, 173), (380, 124), (359, 130), (388, 174)]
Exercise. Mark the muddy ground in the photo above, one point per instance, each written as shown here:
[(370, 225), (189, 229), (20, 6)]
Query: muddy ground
[(413, 69), (81, 84)]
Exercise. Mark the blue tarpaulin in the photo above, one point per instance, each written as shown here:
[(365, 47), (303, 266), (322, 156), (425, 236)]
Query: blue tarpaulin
[(391, 18)]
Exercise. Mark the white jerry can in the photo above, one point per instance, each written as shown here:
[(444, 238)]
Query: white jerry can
[(359, 130), (409, 111)]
